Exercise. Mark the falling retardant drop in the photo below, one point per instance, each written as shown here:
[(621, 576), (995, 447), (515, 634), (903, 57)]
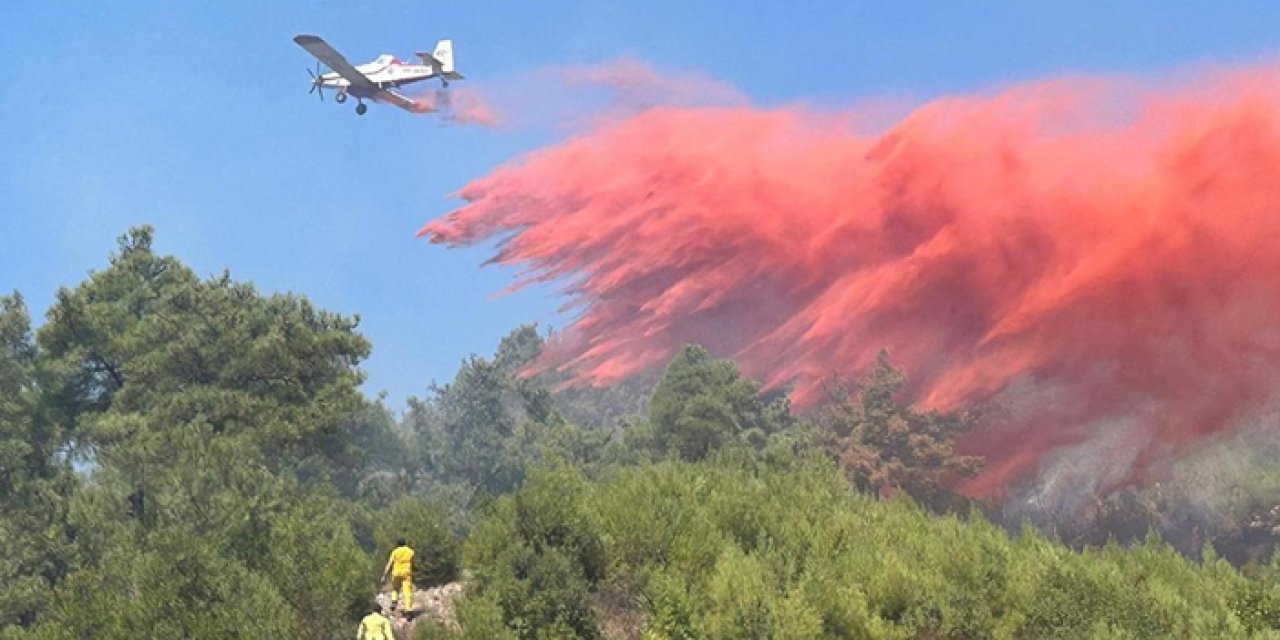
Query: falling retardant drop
[(1095, 261)]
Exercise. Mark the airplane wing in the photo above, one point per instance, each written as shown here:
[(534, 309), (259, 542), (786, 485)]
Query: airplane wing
[(402, 101), (334, 60)]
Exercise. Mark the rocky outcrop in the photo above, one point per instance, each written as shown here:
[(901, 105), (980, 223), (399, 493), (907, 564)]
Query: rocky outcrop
[(430, 606)]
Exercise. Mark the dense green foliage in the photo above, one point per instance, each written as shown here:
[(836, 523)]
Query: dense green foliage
[(703, 404), (745, 550), (35, 477), (538, 556), (220, 438), (188, 457)]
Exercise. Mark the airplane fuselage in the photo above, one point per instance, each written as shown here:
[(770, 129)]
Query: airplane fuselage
[(385, 72)]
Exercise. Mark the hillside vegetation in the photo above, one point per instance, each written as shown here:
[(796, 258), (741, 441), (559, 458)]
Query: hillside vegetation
[(187, 457), (740, 549)]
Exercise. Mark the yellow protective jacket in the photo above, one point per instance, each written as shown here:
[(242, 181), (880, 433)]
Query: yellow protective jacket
[(401, 561), (375, 627)]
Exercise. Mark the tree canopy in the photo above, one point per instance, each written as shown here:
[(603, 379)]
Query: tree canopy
[(885, 446)]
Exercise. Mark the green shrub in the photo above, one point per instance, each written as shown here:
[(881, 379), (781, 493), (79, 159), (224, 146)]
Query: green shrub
[(424, 525), (736, 549), (317, 567), (134, 594), (538, 556), (671, 609), (1257, 605), (478, 619)]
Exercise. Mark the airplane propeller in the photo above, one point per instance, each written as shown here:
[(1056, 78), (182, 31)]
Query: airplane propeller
[(317, 84)]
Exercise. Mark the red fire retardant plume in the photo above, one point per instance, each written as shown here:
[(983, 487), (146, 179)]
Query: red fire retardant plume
[(1099, 260)]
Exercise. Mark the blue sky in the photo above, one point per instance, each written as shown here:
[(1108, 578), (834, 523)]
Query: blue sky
[(195, 118)]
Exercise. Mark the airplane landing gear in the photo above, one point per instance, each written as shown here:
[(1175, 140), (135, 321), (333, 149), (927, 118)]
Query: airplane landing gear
[(361, 108), (341, 97)]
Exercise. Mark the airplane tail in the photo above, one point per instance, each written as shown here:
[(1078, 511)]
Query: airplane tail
[(444, 53), (442, 60)]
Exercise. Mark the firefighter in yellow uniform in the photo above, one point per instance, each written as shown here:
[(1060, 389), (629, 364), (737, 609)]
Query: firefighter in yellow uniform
[(374, 626), (400, 568)]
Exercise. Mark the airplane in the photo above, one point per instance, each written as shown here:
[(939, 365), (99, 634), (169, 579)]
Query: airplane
[(377, 80)]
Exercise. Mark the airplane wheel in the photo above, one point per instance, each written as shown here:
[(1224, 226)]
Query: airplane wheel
[(446, 84), (340, 98), (361, 108)]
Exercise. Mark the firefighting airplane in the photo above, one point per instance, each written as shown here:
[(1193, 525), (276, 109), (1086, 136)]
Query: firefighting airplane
[(377, 80)]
